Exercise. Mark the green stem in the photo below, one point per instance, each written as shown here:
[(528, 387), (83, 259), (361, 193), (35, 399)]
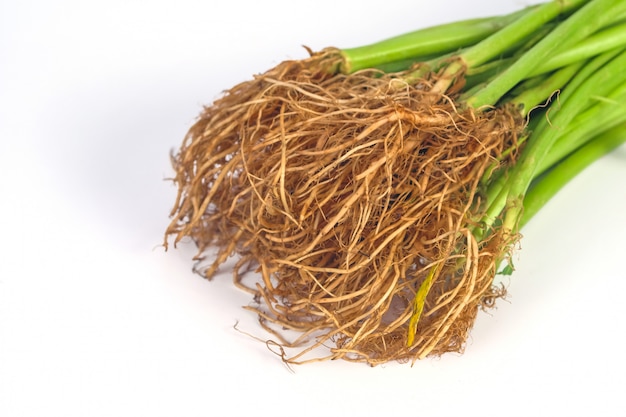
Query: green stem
[(506, 58), (607, 72), (517, 31), (495, 195), (613, 38), (590, 68), (431, 41), (532, 97), (606, 114), (603, 41), (541, 142), (544, 188), (522, 30), (528, 99), (591, 17)]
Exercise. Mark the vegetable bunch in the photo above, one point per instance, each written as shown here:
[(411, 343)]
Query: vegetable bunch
[(378, 190)]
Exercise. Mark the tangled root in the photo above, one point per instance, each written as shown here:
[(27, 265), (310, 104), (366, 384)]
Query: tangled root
[(344, 192)]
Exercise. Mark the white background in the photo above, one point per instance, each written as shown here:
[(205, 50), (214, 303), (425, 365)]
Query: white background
[(97, 320)]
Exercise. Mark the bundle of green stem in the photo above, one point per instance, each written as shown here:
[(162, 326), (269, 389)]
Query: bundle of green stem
[(379, 190)]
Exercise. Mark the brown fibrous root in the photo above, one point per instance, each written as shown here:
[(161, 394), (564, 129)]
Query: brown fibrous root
[(343, 192)]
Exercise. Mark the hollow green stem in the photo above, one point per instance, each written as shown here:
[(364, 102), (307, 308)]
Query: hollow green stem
[(534, 96), (591, 17), (605, 40), (606, 114), (541, 142), (523, 29), (613, 38), (606, 72), (544, 188), (517, 31), (496, 193), (431, 41)]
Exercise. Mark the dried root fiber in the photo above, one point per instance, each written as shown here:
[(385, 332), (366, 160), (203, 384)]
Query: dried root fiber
[(346, 193)]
